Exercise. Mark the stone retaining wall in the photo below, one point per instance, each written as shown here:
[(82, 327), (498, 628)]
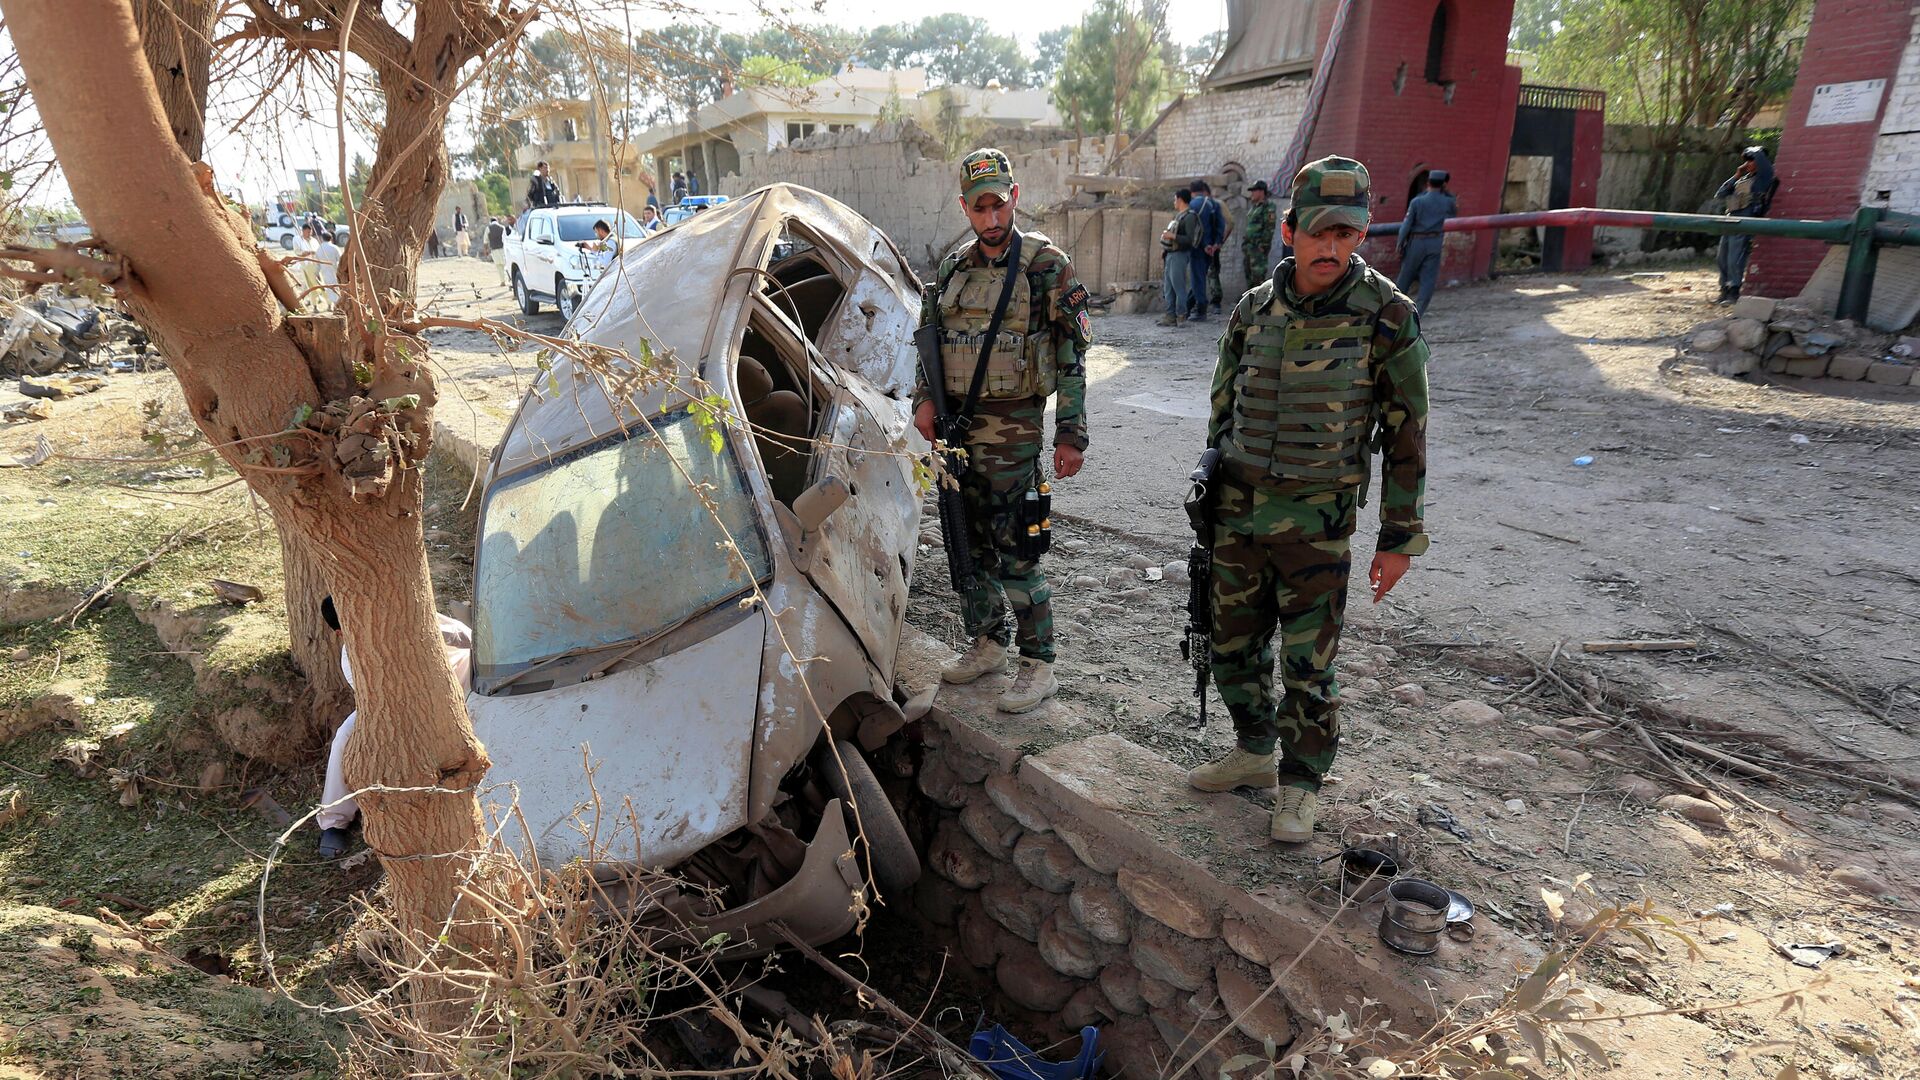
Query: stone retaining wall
[(1094, 887)]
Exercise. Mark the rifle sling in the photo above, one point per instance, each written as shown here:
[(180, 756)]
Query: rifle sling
[(963, 417)]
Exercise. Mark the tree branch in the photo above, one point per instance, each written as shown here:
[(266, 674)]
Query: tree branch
[(63, 262)]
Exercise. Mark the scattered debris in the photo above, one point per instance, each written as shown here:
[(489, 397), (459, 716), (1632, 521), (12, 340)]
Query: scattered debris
[(61, 387), (42, 450), (176, 472), (1812, 955), (1656, 645), (235, 593), (13, 806), (257, 799), (26, 410)]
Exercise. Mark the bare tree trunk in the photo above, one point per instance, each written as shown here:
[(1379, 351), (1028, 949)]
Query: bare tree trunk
[(280, 417), (176, 36)]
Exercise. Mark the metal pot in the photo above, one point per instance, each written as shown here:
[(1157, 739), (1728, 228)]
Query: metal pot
[(1364, 872), (1415, 916)]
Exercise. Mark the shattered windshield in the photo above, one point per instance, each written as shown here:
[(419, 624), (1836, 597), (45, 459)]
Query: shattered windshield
[(609, 545)]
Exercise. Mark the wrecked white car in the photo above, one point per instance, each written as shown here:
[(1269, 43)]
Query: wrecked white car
[(705, 608)]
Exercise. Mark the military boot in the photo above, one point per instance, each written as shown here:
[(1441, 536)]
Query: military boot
[(984, 657), (1293, 812), (1240, 768), (1034, 684)]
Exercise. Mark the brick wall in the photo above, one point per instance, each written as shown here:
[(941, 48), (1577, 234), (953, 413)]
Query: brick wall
[(1895, 166), (897, 177), (1821, 169), (1249, 127), (1382, 110)]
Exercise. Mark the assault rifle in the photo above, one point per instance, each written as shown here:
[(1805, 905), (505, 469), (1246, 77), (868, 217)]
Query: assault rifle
[(1196, 644), (953, 508)]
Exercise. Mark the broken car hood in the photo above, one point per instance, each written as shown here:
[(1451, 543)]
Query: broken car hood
[(669, 743)]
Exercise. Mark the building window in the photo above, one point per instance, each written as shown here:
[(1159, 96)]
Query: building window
[(799, 129), (838, 128), (1437, 44), (568, 131)]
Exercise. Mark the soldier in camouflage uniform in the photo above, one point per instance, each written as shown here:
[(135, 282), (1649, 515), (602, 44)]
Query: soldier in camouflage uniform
[(1256, 239), (1044, 338), (1318, 366)]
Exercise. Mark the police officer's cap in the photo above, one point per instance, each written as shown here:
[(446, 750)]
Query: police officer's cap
[(1439, 176)]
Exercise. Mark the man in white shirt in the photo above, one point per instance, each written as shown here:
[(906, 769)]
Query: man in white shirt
[(306, 253), (328, 256)]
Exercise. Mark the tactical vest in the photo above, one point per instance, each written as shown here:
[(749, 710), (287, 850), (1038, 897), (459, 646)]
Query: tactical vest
[(1303, 412), (1021, 364), (1742, 196)]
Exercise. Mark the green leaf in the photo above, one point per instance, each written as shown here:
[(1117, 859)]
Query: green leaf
[(404, 401), (363, 373), (716, 940), (1530, 993), (1536, 1038), (1587, 1046)]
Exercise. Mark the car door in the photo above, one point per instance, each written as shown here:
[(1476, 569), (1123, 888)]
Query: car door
[(539, 248)]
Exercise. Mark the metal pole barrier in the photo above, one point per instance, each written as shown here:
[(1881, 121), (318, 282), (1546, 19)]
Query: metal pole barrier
[(1856, 287)]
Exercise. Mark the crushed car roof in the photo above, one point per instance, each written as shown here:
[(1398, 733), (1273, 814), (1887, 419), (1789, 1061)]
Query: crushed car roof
[(712, 262)]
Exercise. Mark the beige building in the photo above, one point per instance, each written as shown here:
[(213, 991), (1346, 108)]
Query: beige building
[(763, 118), (574, 138)]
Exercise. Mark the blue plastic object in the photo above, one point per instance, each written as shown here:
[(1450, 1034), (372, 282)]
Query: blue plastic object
[(1583, 460), (1010, 1059)]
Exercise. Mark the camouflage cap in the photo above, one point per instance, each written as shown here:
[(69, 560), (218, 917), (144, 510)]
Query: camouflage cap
[(1331, 191), (986, 169)]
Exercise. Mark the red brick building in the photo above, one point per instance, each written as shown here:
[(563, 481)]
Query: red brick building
[(1836, 120), (1415, 85)]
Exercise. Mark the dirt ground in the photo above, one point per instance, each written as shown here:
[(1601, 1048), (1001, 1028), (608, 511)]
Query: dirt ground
[(1700, 517)]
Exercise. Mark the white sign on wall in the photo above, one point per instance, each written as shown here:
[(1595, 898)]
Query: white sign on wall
[(1846, 102)]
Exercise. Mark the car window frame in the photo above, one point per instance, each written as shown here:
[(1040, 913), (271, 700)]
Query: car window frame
[(636, 430)]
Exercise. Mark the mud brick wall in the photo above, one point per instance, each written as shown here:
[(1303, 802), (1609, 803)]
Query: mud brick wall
[(1042, 878), (897, 177)]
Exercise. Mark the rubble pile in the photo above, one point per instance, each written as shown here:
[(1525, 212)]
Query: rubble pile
[(1786, 337), (53, 330), (56, 331)]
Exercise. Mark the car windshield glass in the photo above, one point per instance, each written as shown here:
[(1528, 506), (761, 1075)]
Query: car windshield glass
[(576, 227), (608, 545)]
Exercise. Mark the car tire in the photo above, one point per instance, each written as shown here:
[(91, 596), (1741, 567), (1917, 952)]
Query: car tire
[(528, 305), (285, 219), (888, 852), (565, 299)]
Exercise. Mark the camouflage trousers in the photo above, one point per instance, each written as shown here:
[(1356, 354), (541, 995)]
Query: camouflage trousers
[(1263, 585), (1257, 268), (1003, 460)]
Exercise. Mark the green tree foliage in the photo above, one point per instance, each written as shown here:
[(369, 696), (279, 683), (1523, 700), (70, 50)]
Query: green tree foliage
[(1673, 64), (1114, 71), (955, 49), (1051, 52), (1535, 21), (499, 193), (761, 69)]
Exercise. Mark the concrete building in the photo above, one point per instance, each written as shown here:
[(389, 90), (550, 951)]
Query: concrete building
[(1852, 139), (759, 119), (574, 138)]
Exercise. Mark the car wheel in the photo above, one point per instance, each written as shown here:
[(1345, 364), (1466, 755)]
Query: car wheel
[(887, 852), (565, 298), (528, 305), (286, 219)]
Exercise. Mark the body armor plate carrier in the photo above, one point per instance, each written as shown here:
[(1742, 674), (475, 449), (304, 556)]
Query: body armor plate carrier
[(1303, 412), (1021, 364)]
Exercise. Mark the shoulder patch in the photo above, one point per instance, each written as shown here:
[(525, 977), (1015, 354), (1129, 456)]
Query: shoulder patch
[(1074, 298)]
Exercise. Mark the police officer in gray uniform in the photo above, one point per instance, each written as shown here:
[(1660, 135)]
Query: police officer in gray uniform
[(1420, 237)]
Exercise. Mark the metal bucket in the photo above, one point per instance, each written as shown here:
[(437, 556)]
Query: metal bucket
[(1415, 916), (1364, 872)]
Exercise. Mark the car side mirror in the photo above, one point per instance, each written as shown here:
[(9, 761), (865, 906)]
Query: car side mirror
[(815, 505)]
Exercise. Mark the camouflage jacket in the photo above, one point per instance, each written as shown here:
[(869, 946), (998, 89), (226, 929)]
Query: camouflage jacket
[(1066, 312), (1258, 234), (1398, 363)]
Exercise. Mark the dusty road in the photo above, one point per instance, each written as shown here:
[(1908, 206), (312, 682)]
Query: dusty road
[(1701, 516)]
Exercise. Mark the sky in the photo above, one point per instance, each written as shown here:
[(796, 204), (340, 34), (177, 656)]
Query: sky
[(261, 156)]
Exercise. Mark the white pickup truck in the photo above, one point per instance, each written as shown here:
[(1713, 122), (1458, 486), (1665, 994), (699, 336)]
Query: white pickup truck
[(554, 255)]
